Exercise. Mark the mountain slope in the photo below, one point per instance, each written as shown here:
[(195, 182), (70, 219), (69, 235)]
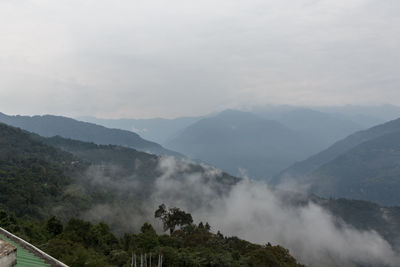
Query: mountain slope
[(33, 176), (307, 166), (235, 140), (49, 126), (365, 215), (325, 129), (369, 171), (118, 185), (68, 178), (158, 129)]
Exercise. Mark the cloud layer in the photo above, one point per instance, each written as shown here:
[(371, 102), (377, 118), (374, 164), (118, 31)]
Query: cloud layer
[(152, 58), (248, 209), (253, 211)]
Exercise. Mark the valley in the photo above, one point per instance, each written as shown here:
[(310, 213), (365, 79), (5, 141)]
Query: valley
[(122, 187)]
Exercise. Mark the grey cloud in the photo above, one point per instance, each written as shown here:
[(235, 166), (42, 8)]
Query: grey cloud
[(146, 58), (249, 210), (253, 211)]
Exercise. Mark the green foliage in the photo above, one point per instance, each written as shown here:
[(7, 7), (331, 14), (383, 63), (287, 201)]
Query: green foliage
[(54, 226), (33, 176), (173, 217), (271, 256), (42, 177), (82, 243)]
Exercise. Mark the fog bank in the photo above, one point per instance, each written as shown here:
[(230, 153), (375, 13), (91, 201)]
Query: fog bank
[(251, 210)]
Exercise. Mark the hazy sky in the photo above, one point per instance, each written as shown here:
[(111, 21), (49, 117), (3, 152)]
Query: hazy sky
[(145, 58)]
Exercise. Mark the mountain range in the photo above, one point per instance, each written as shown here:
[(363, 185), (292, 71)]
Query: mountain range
[(364, 165), (49, 125), (323, 128), (361, 166), (159, 130), (261, 143), (41, 177), (242, 143), (69, 178)]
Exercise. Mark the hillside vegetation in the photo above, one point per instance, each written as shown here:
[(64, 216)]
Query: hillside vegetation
[(312, 163), (362, 166), (39, 180), (49, 126), (81, 243), (114, 185)]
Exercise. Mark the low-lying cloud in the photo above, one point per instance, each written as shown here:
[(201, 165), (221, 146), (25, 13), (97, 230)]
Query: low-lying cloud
[(251, 210), (248, 209)]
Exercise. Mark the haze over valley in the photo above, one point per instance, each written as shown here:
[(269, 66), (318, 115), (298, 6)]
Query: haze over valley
[(181, 133)]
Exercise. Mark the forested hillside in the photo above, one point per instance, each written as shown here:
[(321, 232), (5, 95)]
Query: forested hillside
[(81, 243), (305, 167), (45, 177), (370, 171), (50, 126), (34, 176), (362, 166)]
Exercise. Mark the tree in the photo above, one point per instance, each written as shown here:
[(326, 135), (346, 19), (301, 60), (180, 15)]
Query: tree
[(173, 217), (146, 227), (207, 227), (54, 226), (147, 240)]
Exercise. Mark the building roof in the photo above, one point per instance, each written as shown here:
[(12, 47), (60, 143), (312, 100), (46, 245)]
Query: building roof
[(6, 248), (24, 257)]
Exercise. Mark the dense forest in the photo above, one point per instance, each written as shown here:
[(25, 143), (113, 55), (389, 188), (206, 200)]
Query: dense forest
[(81, 243), (50, 186), (39, 180)]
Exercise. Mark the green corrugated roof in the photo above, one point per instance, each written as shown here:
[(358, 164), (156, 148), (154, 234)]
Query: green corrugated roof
[(24, 257)]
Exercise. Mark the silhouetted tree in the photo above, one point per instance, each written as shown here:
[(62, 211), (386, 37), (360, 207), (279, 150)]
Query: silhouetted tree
[(201, 225), (173, 217)]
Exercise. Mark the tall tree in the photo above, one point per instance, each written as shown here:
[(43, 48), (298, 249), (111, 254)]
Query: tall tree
[(173, 217)]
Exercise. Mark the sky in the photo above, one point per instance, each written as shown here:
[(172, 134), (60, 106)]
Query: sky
[(157, 58)]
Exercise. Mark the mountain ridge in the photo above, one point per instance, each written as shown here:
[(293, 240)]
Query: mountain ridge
[(363, 166), (313, 162), (50, 125), (234, 140)]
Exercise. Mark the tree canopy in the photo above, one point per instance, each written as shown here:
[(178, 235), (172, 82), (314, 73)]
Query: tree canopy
[(173, 217)]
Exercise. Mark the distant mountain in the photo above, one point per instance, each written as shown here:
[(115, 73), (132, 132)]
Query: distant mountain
[(235, 140), (323, 128), (365, 115), (49, 125), (39, 181), (41, 177), (364, 165), (158, 129), (370, 171), (312, 163)]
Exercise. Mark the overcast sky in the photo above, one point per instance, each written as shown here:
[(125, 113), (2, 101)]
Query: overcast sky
[(146, 58)]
